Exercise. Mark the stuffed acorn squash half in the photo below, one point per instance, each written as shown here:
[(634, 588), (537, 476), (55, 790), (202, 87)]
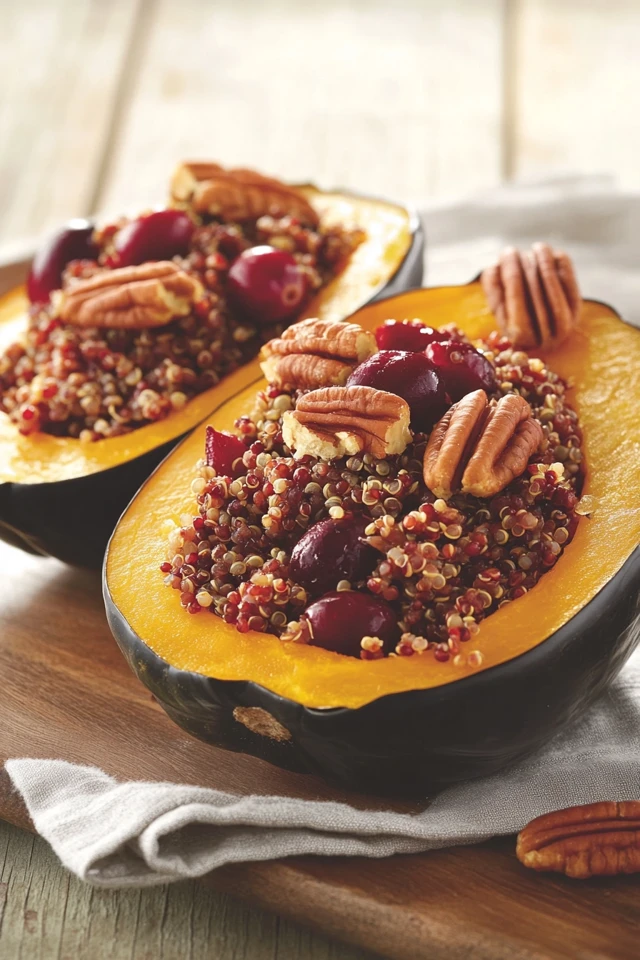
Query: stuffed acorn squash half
[(114, 351), (415, 560)]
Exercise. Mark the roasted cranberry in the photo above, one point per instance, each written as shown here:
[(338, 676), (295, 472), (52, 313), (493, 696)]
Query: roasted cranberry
[(340, 619), (408, 375), (73, 242), (462, 368), (156, 236), (407, 335), (267, 284), (222, 450), (330, 551)]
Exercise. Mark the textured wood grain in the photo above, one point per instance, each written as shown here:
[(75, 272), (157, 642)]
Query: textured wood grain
[(46, 914), (576, 88), (68, 693), (416, 99), (401, 101), (60, 66)]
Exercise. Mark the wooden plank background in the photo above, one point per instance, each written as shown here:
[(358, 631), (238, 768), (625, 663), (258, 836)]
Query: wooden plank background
[(413, 99)]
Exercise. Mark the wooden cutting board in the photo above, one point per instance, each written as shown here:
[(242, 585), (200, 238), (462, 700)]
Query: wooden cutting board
[(66, 692)]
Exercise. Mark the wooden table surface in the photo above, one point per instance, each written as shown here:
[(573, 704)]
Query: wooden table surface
[(415, 99)]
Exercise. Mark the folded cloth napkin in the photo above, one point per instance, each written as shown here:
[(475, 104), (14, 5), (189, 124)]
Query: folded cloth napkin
[(133, 834), (127, 834)]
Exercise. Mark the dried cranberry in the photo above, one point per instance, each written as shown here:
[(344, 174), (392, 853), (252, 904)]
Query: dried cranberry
[(340, 619), (462, 368), (156, 236), (73, 242), (330, 551), (222, 450), (407, 335), (408, 375), (267, 284)]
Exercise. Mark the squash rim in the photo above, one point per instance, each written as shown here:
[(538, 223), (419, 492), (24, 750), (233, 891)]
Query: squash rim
[(472, 679)]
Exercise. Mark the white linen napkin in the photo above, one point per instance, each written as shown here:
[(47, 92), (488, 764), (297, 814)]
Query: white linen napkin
[(126, 834), (137, 834)]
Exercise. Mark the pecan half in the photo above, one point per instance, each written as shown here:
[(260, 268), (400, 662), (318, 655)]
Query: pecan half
[(595, 840), (478, 447), (534, 295), (207, 188), (149, 295), (316, 353), (342, 421)]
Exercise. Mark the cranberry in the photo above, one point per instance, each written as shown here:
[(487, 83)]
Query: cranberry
[(462, 368), (330, 551), (156, 236), (267, 284), (408, 375), (341, 619), (407, 335), (73, 242), (222, 450)]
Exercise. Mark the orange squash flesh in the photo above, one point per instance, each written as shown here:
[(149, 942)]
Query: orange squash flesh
[(601, 362), (41, 458)]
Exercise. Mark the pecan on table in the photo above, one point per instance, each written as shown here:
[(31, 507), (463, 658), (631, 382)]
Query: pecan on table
[(207, 188), (342, 421), (149, 295), (316, 353), (479, 447), (534, 295), (595, 840)]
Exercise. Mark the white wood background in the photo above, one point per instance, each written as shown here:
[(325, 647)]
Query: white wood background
[(411, 99)]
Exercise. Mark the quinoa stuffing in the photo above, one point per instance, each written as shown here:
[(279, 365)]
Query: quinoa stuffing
[(430, 569), (93, 383)]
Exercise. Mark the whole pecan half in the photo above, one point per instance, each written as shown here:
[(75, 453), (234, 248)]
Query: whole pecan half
[(534, 295), (149, 295), (479, 447), (316, 353), (595, 840), (342, 421), (207, 188)]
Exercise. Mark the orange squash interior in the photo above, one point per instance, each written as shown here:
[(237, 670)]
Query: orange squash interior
[(601, 362), (42, 458)]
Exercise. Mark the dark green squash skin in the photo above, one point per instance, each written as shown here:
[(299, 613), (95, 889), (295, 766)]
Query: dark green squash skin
[(415, 743), (73, 519)]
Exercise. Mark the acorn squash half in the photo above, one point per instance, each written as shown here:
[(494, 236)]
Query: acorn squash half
[(61, 497), (407, 725)]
